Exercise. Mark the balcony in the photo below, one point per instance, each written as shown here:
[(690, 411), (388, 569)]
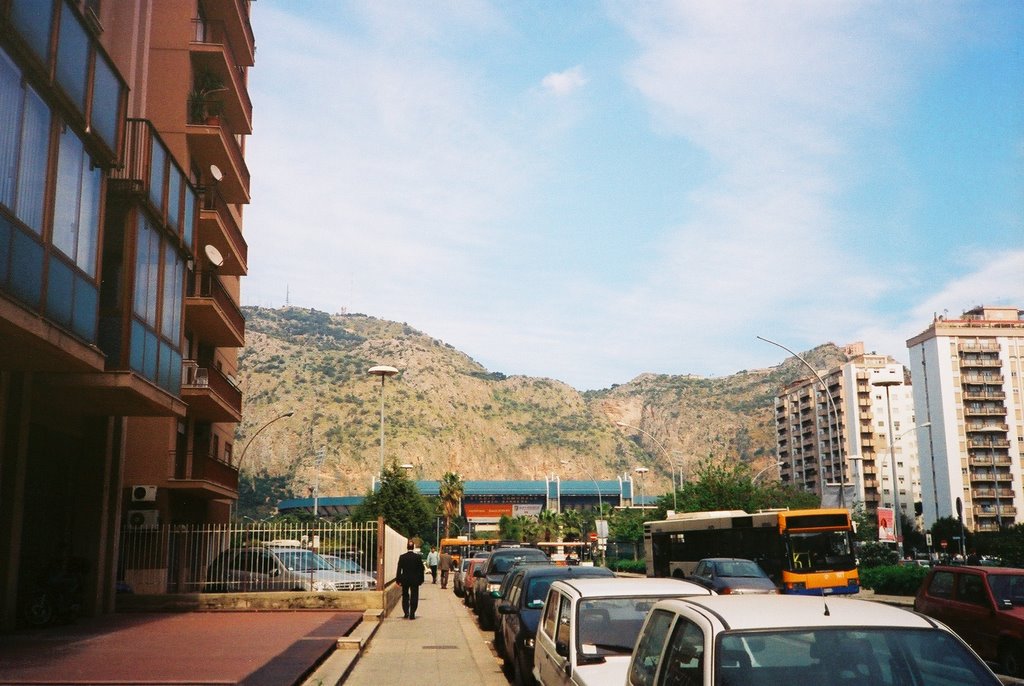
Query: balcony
[(970, 394), (211, 51), (984, 411), (972, 362), (210, 479), (986, 428), (212, 314), (210, 395), (982, 379), (219, 228), (233, 16), (988, 444), (211, 143)]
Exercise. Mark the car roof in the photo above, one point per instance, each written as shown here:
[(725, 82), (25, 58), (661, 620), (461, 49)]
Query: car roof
[(624, 587), (534, 571), (978, 568), (790, 612), (726, 559)]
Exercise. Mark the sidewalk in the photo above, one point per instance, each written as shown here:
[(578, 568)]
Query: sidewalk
[(443, 644)]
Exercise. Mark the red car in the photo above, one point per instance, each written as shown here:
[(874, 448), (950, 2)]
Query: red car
[(984, 605)]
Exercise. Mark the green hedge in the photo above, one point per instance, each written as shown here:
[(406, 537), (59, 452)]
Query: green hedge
[(893, 579), (633, 566)]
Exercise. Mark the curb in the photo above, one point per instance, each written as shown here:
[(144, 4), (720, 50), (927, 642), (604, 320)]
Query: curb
[(334, 670)]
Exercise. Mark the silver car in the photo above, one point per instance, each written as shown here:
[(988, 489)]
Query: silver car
[(275, 568)]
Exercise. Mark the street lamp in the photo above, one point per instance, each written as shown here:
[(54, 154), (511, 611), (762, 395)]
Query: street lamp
[(383, 371), (661, 446), (765, 470), (835, 412), (897, 513), (246, 448)]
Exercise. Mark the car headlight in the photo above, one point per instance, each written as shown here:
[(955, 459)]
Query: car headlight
[(528, 643), (493, 587)]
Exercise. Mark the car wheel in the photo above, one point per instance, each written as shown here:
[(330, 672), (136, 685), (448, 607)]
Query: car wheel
[(499, 643), (1011, 659), (485, 621)]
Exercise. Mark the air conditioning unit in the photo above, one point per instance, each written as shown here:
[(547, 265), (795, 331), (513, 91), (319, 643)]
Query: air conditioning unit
[(143, 494), (142, 520)]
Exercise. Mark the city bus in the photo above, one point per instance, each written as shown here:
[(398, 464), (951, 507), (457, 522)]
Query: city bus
[(807, 552), (462, 547)]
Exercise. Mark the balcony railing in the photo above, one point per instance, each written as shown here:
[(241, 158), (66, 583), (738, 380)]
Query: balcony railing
[(206, 285), (196, 378)]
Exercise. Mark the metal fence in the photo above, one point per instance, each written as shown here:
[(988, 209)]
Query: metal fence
[(178, 558)]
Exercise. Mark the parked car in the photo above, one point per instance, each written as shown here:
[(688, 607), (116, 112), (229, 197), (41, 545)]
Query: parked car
[(488, 579), (467, 582), (732, 575), (519, 611), (276, 568), (589, 626), (347, 565), (736, 640), (459, 577), (984, 605)]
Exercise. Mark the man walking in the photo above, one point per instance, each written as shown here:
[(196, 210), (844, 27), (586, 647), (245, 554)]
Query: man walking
[(409, 576), (446, 566), (432, 560)]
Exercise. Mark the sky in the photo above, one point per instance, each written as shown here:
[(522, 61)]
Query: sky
[(589, 191)]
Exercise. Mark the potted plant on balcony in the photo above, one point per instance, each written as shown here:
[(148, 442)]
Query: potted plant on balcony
[(202, 109)]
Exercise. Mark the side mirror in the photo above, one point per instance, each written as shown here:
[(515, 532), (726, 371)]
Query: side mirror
[(478, 574), (561, 648), (495, 594), (507, 609)]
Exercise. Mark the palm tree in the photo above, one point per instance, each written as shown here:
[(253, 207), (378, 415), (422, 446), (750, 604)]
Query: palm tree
[(451, 491), (549, 524)]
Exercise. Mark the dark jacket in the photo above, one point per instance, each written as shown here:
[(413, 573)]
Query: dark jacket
[(410, 569)]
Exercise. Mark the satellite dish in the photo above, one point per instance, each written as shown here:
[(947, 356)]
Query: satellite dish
[(212, 254), (216, 173)]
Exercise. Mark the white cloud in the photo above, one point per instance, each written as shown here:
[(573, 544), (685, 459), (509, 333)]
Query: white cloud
[(565, 82)]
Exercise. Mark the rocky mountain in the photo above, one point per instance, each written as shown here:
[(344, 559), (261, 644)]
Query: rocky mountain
[(445, 412)]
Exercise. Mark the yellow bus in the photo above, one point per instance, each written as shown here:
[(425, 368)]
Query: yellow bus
[(807, 552), (462, 547)]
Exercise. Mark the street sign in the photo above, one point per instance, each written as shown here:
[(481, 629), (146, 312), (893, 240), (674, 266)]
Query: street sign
[(944, 544), (593, 535), (602, 528)]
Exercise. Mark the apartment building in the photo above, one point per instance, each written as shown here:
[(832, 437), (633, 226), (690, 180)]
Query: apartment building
[(122, 183), (968, 375), (847, 427)]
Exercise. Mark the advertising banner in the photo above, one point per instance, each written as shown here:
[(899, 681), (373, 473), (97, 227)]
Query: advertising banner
[(486, 512), (886, 525)]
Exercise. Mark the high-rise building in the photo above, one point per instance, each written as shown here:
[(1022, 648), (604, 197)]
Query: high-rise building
[(819, 430), (968, 374), (122, 181)]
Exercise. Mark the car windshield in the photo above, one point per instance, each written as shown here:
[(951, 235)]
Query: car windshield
[(739, 568), (1008, 589), (609, 626), (504, 563), (537, 590), (820, 551), (303, 560), (826, 657)]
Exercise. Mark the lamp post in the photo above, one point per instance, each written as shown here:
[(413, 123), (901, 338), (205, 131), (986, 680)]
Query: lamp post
[(832, 404), (897, 513), (383, 371), (663, 449), (249, 442), (320, 454), (765, 470)]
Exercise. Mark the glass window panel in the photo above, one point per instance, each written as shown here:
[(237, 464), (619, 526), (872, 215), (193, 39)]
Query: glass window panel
[(59, 292), (72, 57), (147, 245), (149, 365), (174, 198), (172, 297), (153, 276), (138, 347), (12, 96), (190, 215), (5, 250), (86, 309), (69, 184), (32, 168), (27, 269), (32, 19), (89, 218), (106, 102), (156, 176)]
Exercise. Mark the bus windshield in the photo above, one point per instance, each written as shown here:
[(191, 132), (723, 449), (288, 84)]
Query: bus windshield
[(819, 551)]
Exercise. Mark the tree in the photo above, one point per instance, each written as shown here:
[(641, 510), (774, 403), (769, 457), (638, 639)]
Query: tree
[(627, 526), (573, 524), (550, 526), (451, 490), (259, 494), (399, 502)]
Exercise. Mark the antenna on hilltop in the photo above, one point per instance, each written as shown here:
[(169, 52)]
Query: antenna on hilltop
[(287, 295)]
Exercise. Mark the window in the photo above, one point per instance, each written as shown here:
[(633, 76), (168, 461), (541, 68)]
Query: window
[(684, 658), (648, 652), (564, 620), (24, 147), (941, 585), (550, 614), (106, 102), (72, 57), (33, 25), (76, 216)]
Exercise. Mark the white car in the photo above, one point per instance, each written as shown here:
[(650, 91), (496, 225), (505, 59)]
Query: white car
[(588, 627), (756, 640)]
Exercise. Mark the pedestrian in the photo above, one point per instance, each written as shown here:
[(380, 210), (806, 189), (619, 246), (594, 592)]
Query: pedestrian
[(445, 565), (409, 576), (432, 561)]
